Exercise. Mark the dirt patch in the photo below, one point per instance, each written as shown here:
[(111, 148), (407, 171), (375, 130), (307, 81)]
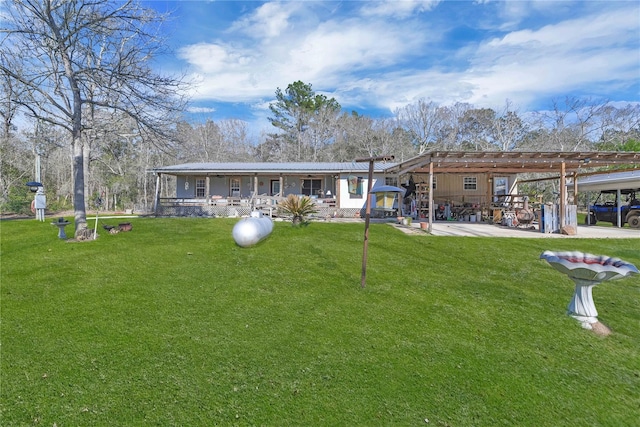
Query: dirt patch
[(407, 229), (601, 329)]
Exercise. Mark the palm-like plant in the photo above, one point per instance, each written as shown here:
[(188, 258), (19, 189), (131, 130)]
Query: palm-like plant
[(299, 207)]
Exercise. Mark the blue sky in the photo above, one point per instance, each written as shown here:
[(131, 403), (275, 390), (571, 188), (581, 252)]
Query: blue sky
[(374, 57)]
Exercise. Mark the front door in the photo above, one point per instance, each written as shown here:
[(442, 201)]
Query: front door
[(275, 187)]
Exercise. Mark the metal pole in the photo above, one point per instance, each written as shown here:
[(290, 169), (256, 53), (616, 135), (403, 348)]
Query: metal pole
[(618, 208), (367, 219)]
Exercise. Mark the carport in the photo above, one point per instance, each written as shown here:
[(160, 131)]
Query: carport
[(610, 181), (492, 163)]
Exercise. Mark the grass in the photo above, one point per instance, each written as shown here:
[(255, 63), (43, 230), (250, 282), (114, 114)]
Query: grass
[(173, 324)]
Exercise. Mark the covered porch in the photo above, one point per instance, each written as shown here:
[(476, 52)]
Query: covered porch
[(489, 166), (236, 189)]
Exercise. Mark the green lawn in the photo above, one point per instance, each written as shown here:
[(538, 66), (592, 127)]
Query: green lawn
[(172, 324)]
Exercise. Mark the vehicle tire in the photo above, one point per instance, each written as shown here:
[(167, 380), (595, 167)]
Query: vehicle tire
[(634, 221), (590, 221)]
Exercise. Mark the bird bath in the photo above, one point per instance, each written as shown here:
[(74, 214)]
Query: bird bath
[(587, 271), (61, 223)]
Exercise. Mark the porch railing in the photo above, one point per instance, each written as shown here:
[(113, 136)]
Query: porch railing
[(243, 206)]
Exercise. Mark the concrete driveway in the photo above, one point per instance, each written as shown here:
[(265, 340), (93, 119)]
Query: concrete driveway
[(452, 228)]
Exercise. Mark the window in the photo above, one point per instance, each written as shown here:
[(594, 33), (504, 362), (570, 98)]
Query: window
[(470, 183), (435, 182), (234, 187), (311, 187), (200, 187), (390, 180), (354, 185)]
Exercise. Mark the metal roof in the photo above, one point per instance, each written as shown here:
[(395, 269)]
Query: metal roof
[(627, 180), (269, 168), (511, 162)]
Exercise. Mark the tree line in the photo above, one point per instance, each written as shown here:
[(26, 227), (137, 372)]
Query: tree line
[(98, 116)]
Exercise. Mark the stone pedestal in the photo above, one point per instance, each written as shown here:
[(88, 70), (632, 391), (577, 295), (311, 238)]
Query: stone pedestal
[(582, 308), (61, 225)]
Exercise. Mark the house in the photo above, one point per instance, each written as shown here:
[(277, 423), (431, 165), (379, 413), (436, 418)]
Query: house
[(462, 183), (234, 189)]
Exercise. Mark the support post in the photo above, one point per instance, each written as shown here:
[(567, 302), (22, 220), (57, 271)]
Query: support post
[(575, 189), (619, 208), (563, 195), (431, 211), (156, 200), (371, 160)]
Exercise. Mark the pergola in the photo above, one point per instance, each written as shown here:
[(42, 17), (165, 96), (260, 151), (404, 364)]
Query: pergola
[(572, 163)]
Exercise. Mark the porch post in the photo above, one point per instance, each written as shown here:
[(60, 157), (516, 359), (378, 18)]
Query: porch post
[(281, 193), (207, 188), (563, 194), (255, 185), (575, 190), (431, 212), (156, 201), (489, 193)]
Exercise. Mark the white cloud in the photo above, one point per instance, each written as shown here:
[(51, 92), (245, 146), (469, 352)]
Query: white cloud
[(364, 60), (325, 55), (201, 110), (525, 66), (399, 9), (571, 55), (267, 21)]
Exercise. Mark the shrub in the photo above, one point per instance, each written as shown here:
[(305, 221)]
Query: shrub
[(298, 207)]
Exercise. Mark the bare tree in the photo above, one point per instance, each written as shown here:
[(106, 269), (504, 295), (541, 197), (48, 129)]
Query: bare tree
[(449, 135), (83, 55), (224, 141), (619, 126), (423, 120), (361, 136), (569, 126), (508, 129)]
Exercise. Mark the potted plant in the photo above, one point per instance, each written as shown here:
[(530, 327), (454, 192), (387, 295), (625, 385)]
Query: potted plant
[(298, 207)]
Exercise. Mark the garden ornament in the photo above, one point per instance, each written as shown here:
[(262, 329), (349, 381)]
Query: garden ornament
[(587, 271)]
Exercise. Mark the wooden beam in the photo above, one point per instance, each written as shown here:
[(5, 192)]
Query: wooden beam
[(478, 170)]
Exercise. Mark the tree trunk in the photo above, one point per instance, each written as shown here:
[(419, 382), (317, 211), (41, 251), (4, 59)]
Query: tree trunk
[(80, 214)]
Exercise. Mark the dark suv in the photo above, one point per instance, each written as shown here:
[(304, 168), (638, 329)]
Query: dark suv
[(605, 209)]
